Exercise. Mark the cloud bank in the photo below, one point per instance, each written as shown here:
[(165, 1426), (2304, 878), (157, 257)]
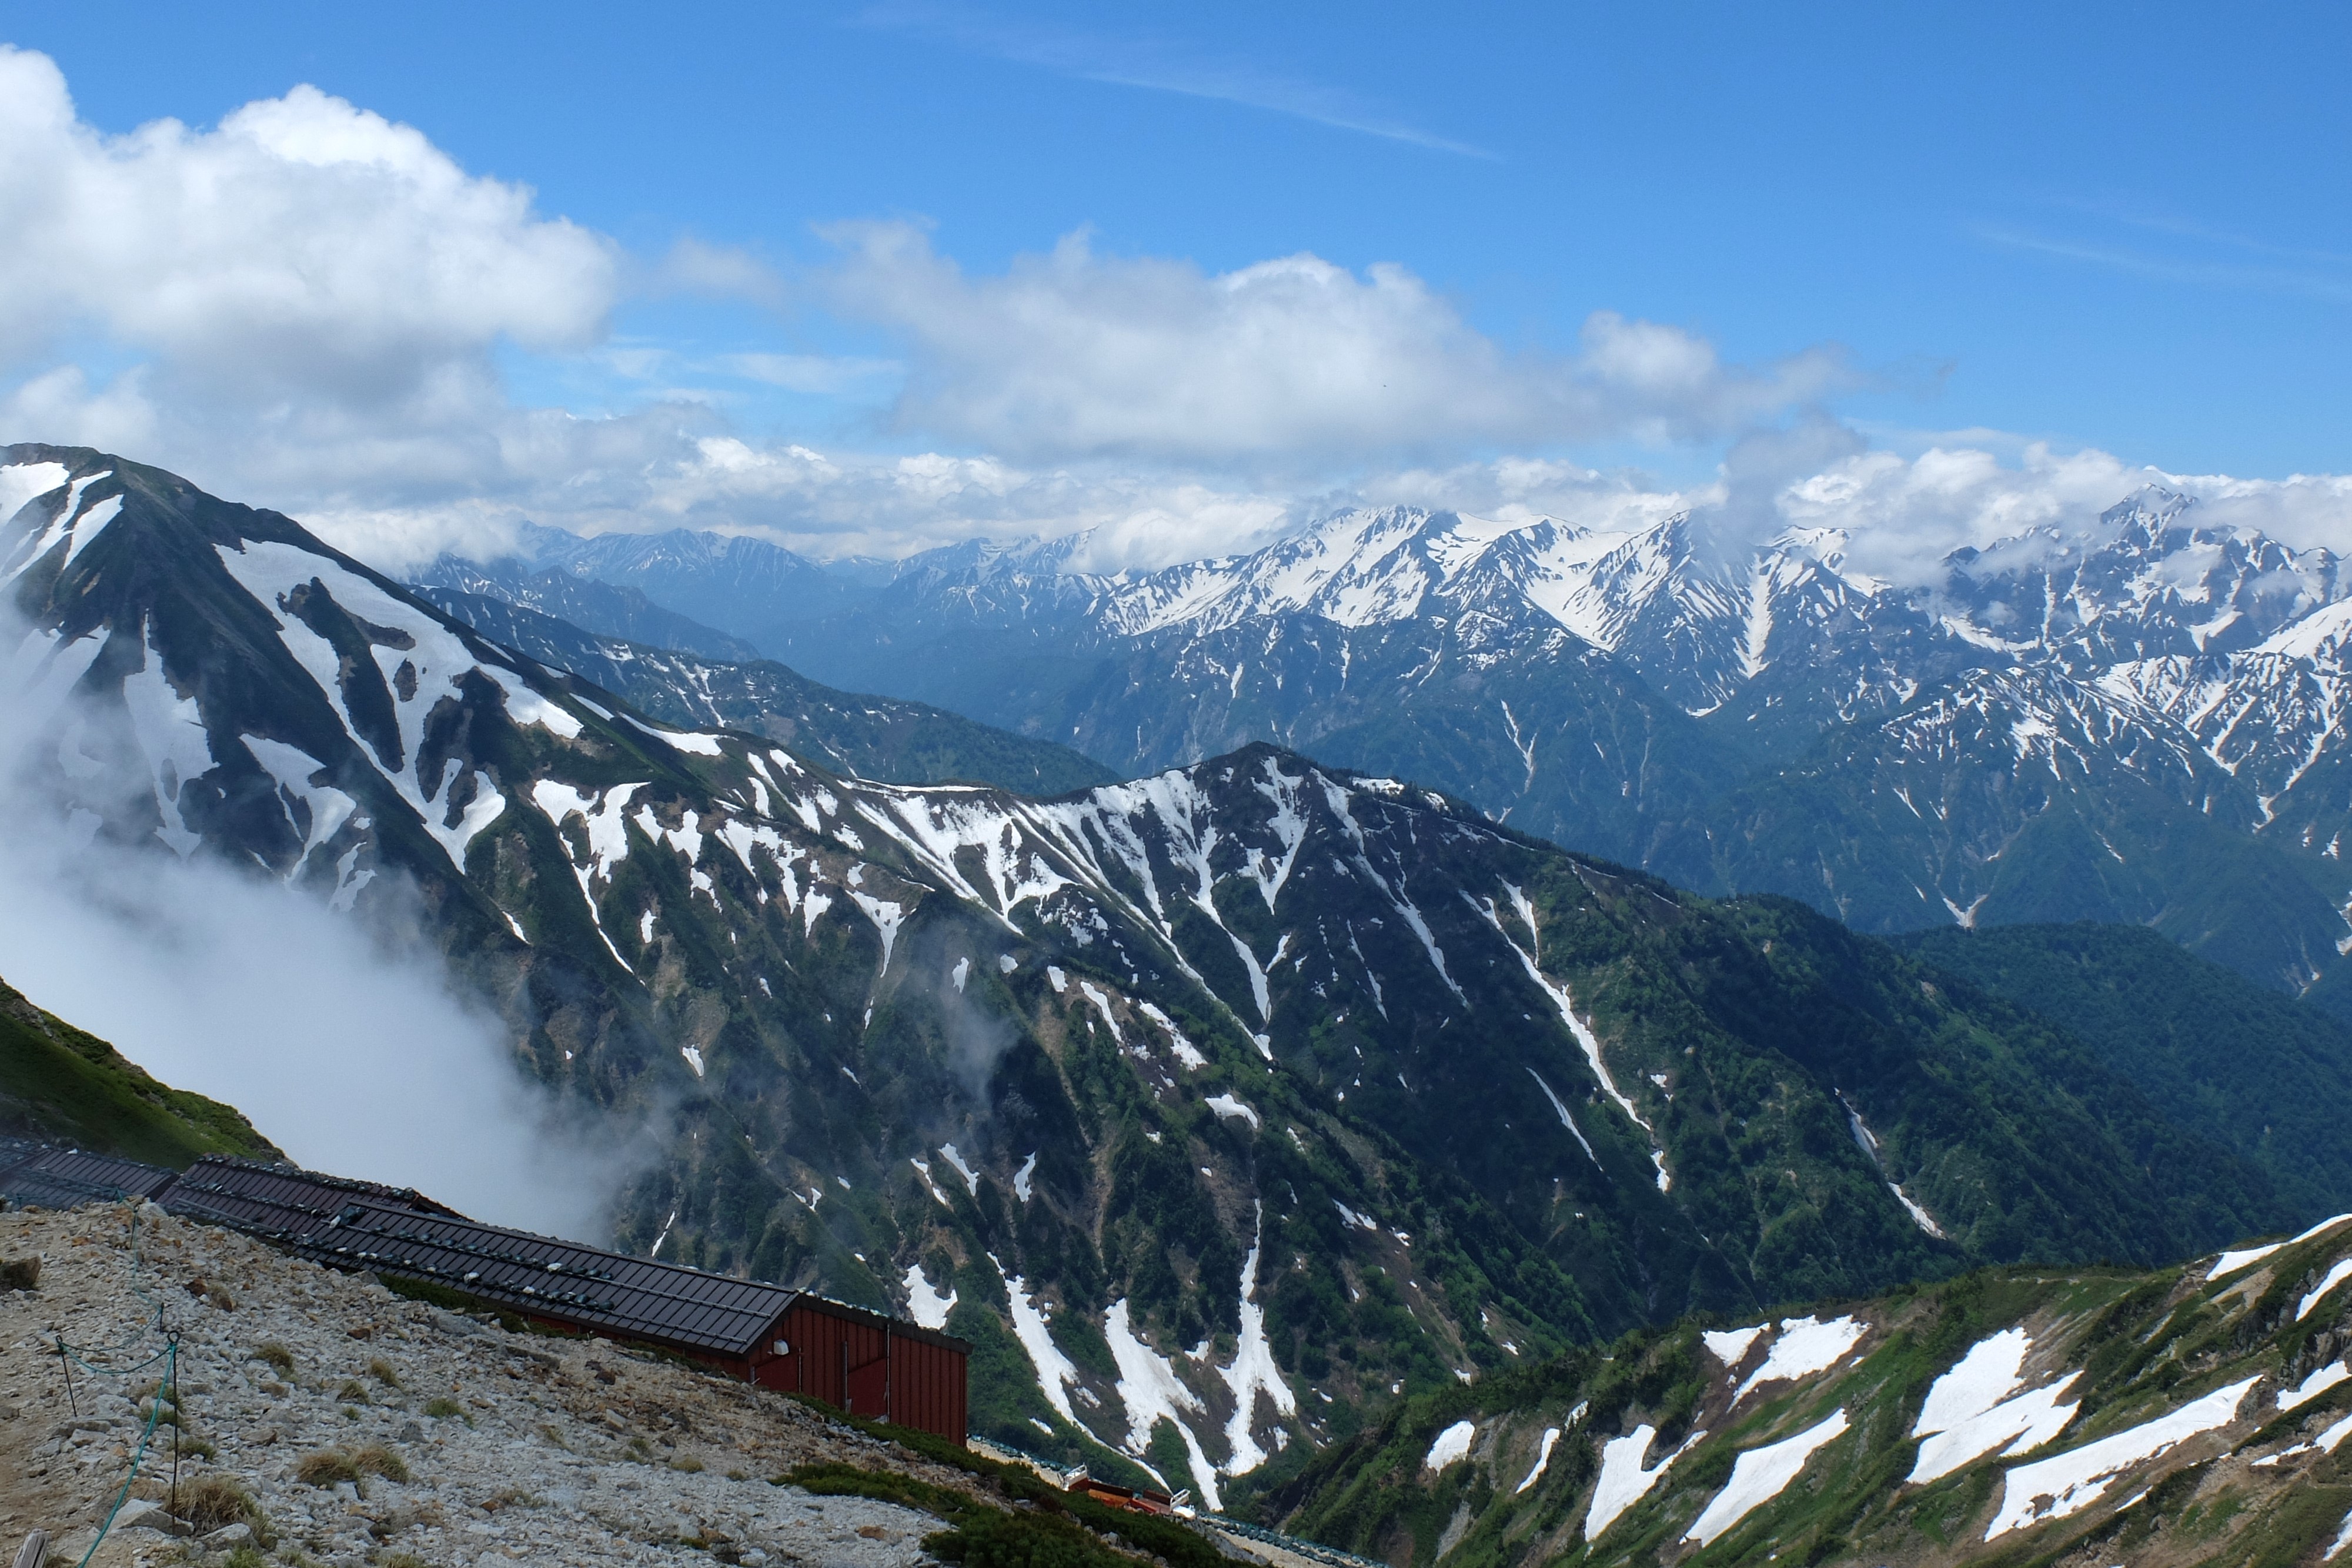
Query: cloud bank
[(1294, 361), (312, 308), (344, 1044)]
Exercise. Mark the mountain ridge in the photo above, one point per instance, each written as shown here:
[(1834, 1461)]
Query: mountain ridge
[(1778, 684), (1220, 1109)]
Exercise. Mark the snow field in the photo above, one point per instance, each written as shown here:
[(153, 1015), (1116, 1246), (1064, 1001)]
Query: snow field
[(1729, 1346), (2232, 1261), (2070, 1482), (1149, 1388), (1804, 1346), (1623, 1481), (1229, 1109), (1586, 1040), (1760, 1475), (1565, 1119), (1977, 1408), (924, 1305), (970, 1177), (2336, 1276), (1543, 1460), (2312, 1388), (1055, 1375), (1450, 1446)]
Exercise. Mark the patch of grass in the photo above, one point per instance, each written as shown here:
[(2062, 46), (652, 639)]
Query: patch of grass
[(353, 1392), (76, 1089), (442, 1407), (381, 1370), (328, 1467), (1054, 1535), (325, 1467), (378, 1460), (988, 1539), (277, 1355), (211, 1502), (687, 1463)]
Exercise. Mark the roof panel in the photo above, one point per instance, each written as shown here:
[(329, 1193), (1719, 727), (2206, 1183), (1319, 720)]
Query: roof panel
[(67, 1178)]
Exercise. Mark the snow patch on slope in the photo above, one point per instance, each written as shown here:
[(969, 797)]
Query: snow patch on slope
[(925, 1305), (2070, 1482), (1760, 1475), (1805, 1346), (1149, 1388), (1977, 1408)]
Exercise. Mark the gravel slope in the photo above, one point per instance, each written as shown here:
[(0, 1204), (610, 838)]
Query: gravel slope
[(542, 1449)]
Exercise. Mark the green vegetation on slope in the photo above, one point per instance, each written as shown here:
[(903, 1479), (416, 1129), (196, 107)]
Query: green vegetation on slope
[(65, 1084), (2266, 1480), (2260, 1073)]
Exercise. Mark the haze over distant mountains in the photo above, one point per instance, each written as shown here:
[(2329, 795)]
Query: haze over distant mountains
[(2134, 720)]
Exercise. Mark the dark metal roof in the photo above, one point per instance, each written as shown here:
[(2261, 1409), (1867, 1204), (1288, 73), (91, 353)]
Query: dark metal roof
[(629, 1298), (399, 1232), (279, 1202), (67, 1178)]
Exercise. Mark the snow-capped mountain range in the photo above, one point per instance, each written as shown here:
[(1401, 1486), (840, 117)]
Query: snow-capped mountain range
[(2137, 719), (1219, 1108)]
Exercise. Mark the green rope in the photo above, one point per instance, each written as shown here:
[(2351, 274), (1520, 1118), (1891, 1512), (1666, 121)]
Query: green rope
[(138, 1456), (76, 1357), (168, 1387)]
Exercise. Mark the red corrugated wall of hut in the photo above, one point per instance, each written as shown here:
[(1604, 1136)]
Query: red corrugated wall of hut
[(869, 1368)]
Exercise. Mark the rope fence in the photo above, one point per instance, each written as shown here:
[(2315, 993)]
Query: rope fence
[(99, 1362)]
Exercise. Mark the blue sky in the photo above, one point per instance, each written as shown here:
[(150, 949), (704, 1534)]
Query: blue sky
[(2121, 228)]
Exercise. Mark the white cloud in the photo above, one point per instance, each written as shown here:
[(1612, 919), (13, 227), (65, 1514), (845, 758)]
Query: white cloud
[(304, 245), (1906, 513), (344, 1038), (1293, 362), (308, 307)]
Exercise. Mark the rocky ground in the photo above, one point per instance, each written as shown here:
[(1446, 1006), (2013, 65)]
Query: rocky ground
[(462, 1444)]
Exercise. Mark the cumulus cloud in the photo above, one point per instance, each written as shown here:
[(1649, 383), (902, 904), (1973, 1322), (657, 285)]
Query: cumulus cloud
[(1906, 514), (304, 245), (1292, 361)]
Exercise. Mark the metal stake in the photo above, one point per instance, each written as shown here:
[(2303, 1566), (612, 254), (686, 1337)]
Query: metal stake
[(172, 1372)]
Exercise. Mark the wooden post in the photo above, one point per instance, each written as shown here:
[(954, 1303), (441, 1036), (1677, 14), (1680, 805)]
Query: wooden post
[(34, 1552)]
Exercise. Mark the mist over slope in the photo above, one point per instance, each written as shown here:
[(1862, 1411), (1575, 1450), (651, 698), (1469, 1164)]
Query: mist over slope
[(1220, 1109)]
